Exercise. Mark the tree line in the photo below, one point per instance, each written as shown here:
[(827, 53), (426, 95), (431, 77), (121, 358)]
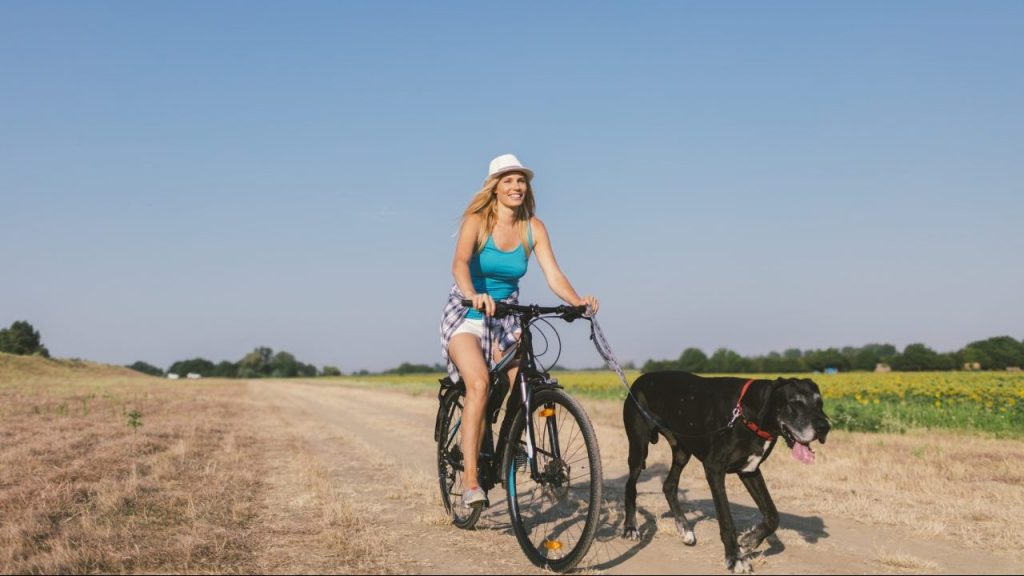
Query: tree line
[(997, 353), (262, 362)]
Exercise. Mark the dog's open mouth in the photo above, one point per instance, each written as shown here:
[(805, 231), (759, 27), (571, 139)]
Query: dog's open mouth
[(801, 451)]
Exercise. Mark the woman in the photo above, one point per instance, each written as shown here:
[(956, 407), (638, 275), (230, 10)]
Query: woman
[(499, 233)]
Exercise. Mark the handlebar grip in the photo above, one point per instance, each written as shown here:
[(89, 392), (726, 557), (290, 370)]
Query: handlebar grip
[(500, 308), (570, 313)]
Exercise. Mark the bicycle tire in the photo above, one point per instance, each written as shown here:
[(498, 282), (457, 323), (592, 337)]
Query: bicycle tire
[(554, 518), (449, 461)]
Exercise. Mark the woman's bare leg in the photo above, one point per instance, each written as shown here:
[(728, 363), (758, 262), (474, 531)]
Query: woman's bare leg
[(464, 350)]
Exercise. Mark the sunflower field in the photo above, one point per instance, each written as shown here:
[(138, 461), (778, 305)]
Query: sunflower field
[(991, 402), (987, 402)]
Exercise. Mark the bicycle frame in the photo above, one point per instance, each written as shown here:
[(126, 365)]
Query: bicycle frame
[(550, 495), (529, 378)]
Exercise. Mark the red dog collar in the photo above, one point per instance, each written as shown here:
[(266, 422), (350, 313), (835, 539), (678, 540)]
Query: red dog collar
[(738, 413)]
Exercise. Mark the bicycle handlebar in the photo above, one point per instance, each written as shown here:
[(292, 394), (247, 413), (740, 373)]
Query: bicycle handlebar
[(567, 313)]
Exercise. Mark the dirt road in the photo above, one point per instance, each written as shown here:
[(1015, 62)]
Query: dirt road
[(376, 449)]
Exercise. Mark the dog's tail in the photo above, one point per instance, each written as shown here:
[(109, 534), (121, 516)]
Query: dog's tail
[(637, 403)]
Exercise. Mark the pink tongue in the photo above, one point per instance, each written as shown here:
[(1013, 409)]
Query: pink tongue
[(803, 453)]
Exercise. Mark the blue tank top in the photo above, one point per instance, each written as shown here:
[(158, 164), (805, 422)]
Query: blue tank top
[(497, 272)]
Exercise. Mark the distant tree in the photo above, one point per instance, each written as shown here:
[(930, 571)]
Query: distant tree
[(821, 360), (917, 357), (885, 351), (1001, 351), (407, 368), (972, 355), (692, 360), (725, 360), (951, 360), (225, 369), (789, 364), (659, 365), (284, 365), (331, 371), (146, 369), (256, 364), (200, 366), (865, 359), (771, 362), (22, 339)]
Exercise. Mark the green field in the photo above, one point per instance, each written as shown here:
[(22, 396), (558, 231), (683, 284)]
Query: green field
[(987, 402)]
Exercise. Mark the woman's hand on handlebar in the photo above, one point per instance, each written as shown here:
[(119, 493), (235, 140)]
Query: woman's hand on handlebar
[(591, 303), (484, 303)]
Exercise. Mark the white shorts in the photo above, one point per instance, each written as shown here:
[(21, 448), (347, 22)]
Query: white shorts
[(474, 326)]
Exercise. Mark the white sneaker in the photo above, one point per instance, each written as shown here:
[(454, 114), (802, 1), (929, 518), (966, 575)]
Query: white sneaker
[(474, 498)]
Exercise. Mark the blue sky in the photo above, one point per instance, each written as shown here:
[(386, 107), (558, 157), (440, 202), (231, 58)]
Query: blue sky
[(182, 179)]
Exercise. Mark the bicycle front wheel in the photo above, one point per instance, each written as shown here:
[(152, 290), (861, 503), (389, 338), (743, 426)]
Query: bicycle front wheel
[(555, 512)]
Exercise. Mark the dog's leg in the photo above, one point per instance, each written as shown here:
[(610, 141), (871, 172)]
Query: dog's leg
[(671, 489), (637, 459), (770, 522), (726, 528), (639, 435)]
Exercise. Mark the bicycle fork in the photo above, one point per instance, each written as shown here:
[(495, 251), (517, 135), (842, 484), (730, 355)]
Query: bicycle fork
[(550, 426)]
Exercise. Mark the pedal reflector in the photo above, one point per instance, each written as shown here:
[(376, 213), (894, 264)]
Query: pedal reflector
[(552, 544), (547, 412)]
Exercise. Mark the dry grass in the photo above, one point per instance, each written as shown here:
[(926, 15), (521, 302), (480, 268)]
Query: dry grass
[(905, 562), (197, 487), (81, 491), (318, 527), (963, 487)]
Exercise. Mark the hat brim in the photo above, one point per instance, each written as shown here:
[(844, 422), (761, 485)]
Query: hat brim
[(527, 171)]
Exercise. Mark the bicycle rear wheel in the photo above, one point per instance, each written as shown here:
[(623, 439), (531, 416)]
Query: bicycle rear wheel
[(450, 459), (555, 515)]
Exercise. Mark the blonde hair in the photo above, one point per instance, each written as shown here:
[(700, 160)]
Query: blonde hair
[(485, 204)]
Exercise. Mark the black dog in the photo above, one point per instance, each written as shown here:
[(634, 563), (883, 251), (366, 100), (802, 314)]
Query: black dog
[(730, 425)]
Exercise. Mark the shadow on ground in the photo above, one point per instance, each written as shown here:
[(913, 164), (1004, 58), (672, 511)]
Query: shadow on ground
[(610, 549)]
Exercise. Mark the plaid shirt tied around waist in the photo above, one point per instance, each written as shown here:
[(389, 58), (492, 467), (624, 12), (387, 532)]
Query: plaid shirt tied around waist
[(504, 331)]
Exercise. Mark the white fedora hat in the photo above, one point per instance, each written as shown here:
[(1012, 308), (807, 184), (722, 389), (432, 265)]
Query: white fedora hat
[(508, 163)]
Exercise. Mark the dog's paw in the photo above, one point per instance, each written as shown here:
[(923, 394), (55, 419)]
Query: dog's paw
[(631, 533), (749, 541), (689, 538), (739, 566)]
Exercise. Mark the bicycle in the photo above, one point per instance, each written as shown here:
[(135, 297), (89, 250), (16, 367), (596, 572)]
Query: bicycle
[(549, 463)]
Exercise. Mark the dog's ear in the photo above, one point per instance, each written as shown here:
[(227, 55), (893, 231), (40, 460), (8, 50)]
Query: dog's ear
[(776, 386), (814, 385)]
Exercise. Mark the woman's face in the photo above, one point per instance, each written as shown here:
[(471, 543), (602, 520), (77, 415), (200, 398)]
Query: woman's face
[(511, 190)]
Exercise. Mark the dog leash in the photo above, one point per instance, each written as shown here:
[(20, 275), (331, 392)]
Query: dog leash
[(605, 350)]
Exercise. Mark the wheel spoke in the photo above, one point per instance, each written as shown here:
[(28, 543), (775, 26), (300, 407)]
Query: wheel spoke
[(552, 516)]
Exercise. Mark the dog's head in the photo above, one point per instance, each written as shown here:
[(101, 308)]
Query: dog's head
[(801, 417)]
